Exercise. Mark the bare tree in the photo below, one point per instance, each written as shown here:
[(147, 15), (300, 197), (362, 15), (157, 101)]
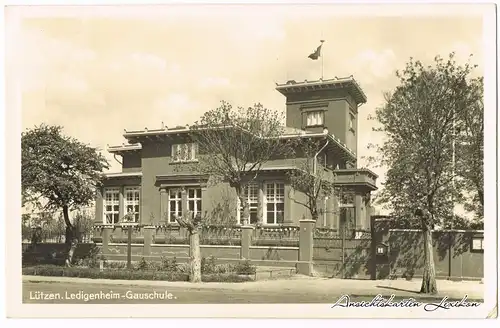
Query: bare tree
[(233, 145), (311, 178), (192, 223), (237, 142)]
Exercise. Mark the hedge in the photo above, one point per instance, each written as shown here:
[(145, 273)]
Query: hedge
[(122, 274)]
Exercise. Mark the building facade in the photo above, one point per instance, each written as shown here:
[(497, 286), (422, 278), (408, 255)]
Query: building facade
[(159, 179)]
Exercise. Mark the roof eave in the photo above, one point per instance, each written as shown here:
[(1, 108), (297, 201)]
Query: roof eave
[(359, 95), (119, 150), (123, 175), (370, 186)]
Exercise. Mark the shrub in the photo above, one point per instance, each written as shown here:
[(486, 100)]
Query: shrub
[(168, 265), (224, 268), (58, 271), (183, 268), (44, 270), (208, 265), (90, 258), (245, 268), (142, 265), (117, 265), (228, 277)]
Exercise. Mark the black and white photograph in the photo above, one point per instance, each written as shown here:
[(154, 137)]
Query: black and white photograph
[(251, 160)]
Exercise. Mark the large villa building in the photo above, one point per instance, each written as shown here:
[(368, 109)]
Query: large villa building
[(157, 183)]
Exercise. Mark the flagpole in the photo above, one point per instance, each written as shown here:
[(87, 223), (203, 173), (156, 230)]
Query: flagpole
[(322, 57)]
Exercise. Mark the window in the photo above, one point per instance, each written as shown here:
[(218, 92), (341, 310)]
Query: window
[(346, 199), (174, 204), (325, 210), (184, 152), (194, 200), (132, 202), (315, 118), (111, 205), (348, 221), (351, 122), (477, 244), (275, 203), (251, 195)]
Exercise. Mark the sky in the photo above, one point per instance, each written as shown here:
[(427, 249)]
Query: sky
[(99, 71)]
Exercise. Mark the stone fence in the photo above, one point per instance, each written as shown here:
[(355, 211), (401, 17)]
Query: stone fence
[(382, 253), (264, 246)]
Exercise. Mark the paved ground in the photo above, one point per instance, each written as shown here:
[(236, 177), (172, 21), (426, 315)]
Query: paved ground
[(297, 289)]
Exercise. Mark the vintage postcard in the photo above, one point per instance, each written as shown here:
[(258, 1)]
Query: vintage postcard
[(251, 160)]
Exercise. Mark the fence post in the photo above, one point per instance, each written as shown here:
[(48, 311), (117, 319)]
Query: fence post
[(148, 239), (306, 247), (246, 241), (107, 232)]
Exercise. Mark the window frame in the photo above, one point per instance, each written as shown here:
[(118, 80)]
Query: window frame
[(477, 250), (253, 204), (352, 119), (195, 199), (191, 150), (320, 112), (134, 202), (114, 202), (178, 204), (277, 199)]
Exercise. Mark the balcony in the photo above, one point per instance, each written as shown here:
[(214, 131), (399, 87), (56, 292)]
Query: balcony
[(356, 177)]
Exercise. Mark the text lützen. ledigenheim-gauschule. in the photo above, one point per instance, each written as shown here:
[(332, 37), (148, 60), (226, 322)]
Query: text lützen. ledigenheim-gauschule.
[(85, 296)]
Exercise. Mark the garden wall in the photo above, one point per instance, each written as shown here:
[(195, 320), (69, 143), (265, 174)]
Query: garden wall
[(455, 257), (262, 246), (307, 248)]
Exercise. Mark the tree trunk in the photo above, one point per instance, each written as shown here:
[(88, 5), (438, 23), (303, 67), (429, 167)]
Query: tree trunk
[(429, 285), (36, 238), (314, 211), (195, 256), (245, 214), (314, 216), (71, 236)]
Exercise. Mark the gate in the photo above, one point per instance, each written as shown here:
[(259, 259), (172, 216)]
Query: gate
[(344, 252)]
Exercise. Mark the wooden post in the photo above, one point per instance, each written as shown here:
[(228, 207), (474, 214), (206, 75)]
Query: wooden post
[(148, 239), (129, 226), (107, 231), (246, 241), (129, 248), (306, 247)]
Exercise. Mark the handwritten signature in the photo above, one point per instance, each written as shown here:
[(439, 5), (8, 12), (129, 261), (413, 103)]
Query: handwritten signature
[(446, 305), (380, 301)]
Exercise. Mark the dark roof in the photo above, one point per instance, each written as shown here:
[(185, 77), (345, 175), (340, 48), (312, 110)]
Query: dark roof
[(348, 83)]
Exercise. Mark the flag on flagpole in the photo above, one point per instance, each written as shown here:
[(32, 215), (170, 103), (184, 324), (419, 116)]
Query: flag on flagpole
[(316, 54)]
